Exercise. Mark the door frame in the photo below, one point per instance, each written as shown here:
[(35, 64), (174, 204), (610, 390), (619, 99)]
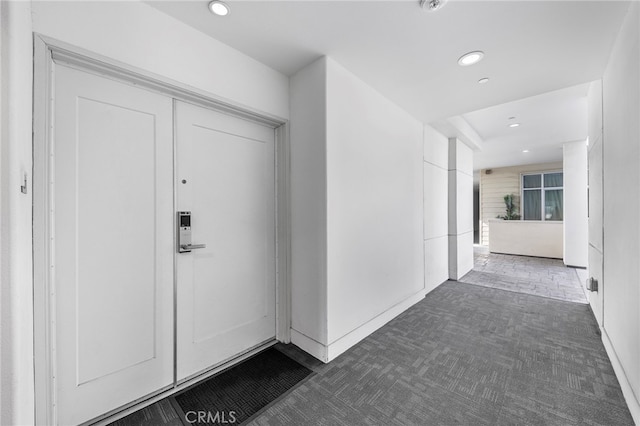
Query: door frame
[(47, 53)]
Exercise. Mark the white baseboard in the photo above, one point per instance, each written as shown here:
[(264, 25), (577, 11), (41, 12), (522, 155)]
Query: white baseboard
[(345, 342), (632, 401), (329, 352), (312, 347)]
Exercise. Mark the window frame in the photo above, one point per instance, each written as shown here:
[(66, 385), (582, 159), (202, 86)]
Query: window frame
[(543, 189)]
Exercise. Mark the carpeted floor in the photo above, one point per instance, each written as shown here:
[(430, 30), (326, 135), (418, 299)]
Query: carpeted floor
[(466, 355), (497, 351)]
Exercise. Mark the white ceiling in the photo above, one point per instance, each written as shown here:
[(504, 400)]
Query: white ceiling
[(410, 56), (546, 122)]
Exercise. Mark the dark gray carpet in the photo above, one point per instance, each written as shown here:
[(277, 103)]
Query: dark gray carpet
[(466, 355)]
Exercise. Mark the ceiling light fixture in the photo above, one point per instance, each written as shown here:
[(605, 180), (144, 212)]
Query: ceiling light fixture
[(483, 80), (432, 5), (525, 150), (514, 125), (219, 8), (470, 58)]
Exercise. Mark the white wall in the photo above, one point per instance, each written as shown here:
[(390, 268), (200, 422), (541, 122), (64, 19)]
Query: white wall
[(16, 295), (595, 197), (356, 199), (141, 36), (526, 237), (621, 106), (374, 203), (460, 209), (575, 218), (436, 208)]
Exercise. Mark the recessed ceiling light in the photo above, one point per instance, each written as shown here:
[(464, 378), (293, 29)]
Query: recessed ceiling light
[(483, 80), (470, 58), (525, 150), (514, 125), (219, 8)]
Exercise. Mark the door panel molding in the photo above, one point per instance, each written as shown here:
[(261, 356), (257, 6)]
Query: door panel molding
[(49, 51)]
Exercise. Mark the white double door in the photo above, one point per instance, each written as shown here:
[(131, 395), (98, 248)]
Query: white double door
[(226, 291), (130, 315)]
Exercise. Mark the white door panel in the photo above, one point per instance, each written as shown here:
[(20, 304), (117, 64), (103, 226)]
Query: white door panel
[(112, 244), (226, 291)]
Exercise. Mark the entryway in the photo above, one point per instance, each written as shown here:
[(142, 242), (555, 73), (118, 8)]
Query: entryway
[(155, 238)]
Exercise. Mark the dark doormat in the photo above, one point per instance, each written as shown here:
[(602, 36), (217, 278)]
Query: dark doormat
[(235, 395)]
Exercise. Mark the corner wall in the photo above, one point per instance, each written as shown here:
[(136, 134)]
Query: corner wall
[(436, 208), (621, 144), (308, 159), (358, 201)]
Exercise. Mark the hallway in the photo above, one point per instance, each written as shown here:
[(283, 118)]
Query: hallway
[(469, 354), (473, 353)]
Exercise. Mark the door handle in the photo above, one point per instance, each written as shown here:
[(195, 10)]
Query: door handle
[(189, 247), (184, 233)]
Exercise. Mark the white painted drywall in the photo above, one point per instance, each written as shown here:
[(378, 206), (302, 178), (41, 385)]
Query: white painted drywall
[(357, 215), (595, 198), (575, 218), (309, 204), (460, 209), (621, 106), (436, 208), (141, 36), (526, 237), (16, 290), (374, 203)]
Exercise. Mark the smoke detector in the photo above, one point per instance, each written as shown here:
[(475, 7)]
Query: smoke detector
[(432, 5)]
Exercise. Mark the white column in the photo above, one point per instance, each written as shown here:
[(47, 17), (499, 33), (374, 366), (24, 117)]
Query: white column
[(575, 204), (460, 209), (436, 208)]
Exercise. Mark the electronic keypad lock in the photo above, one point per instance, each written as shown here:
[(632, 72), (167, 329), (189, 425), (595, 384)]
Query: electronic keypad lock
[(184, 234)]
